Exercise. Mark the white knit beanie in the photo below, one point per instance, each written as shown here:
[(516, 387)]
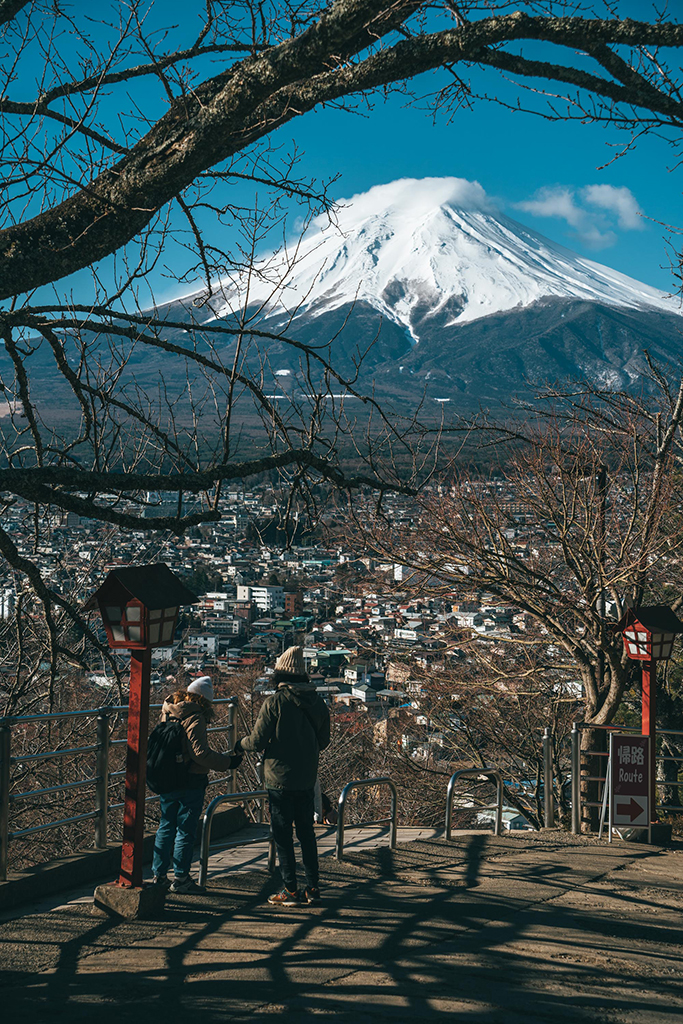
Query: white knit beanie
[(203, 686), (291, 662)]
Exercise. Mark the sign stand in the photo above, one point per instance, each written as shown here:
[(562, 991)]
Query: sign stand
[(628, 783), (606, 802)]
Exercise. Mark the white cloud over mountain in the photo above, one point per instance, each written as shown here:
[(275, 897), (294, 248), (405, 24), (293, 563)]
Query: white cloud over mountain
[(618, 200), (593, 212)]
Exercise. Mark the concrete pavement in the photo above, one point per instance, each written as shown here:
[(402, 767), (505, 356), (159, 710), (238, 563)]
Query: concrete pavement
[(523, 928)]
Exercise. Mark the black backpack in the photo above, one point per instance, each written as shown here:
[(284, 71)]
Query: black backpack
[(167, 768)]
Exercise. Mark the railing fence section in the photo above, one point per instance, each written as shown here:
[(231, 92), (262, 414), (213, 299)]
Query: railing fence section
[(475, 773), (207, 821), (98, 785), (391, 820)]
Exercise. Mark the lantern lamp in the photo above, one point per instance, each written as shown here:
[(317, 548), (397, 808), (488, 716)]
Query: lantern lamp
[(649, 633), (139, 606)]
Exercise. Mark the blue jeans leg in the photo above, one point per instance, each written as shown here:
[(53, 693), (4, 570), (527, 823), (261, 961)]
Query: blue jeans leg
[(186, 830), (180, 811), (163, 843)]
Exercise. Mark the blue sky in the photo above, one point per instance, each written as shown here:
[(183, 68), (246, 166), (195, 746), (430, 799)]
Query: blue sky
[(544, 174)]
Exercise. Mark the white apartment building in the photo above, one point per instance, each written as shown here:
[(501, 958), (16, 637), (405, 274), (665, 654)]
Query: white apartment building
[(8, 602), (265, 598)]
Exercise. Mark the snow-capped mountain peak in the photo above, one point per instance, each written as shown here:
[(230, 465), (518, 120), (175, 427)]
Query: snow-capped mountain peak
[(413, 249)]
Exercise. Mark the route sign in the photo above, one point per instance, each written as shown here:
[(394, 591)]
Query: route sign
[(629, 780)]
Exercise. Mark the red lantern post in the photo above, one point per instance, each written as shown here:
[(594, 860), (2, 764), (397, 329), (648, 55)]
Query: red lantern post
[(139, 608), (136, 764)]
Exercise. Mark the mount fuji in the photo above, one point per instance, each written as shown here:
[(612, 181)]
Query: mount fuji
[(444, 295), (415, 250), (421, 292)]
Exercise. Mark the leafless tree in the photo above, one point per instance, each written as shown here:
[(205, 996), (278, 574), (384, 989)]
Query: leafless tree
[(574, 518), (125, 143)]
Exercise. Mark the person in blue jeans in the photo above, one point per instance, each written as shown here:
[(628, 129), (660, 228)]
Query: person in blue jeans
[(292, 727), (181, 808)]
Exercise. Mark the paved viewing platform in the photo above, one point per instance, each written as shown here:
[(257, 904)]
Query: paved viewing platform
[(527, 927)]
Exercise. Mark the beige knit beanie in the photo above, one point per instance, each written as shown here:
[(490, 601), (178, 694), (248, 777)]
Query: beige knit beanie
[(291, 662)]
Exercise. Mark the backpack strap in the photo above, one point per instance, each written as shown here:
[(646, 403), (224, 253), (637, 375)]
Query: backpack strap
[(311, 722)]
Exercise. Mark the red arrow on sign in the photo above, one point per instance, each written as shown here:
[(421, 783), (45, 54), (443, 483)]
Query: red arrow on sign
[(633, 809)]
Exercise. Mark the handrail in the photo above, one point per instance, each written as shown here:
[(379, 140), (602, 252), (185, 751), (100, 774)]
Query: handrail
[(53, 753), (99, 782), (224, 798), (357, 784), (488, 773), (107, 709)]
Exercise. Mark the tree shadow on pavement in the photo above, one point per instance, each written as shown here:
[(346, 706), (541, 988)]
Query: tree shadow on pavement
[(387, 944)]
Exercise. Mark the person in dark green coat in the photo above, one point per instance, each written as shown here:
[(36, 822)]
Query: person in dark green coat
[(292, 728)]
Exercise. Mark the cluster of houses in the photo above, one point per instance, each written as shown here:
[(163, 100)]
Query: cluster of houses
[(365, 634)]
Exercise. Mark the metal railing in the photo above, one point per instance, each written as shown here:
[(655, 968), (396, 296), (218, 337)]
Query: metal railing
[(225, 798), (486, 773), (359, 784), (577, 803), (100, 782), (548, 795)]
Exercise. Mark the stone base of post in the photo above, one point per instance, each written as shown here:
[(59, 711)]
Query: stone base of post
[(661, 834), (141, 904)]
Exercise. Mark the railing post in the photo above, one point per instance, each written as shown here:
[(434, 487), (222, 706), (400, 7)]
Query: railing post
[(449, 807), (262, 802), (205, 840), (548, 800), (102, 785), (5, 756), (232, 739), (394, 826), (576, 778), (498, 831), (339, 852)]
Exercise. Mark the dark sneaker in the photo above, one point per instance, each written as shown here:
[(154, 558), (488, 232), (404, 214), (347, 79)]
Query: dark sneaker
[(186, 886), (311, 894), (162, 881), (285, 898)]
